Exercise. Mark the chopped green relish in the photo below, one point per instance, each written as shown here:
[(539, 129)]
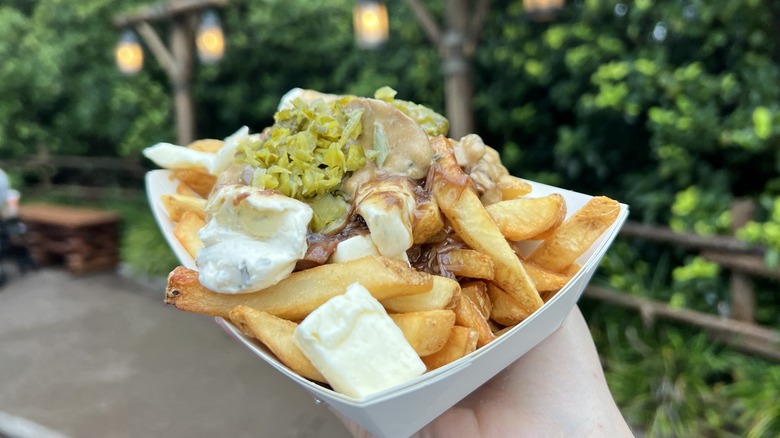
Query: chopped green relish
[(429, 120), (307, 153)]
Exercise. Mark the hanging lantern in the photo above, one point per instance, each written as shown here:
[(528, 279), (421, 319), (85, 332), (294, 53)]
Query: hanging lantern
[(371, 24), (542, 10), (209, 39), (128, 54)]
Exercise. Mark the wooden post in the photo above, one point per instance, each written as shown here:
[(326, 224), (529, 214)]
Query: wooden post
[(743, 299), (177, 58), (457, 70), (456, 46), (182, 47)]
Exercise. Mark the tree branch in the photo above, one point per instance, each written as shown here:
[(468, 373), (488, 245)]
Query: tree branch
[(476, 26), (427, 22)]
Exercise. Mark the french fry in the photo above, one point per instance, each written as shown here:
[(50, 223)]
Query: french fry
[(576, 234), (197, 179), (427, 220), (297, 295), (543, 279), (467, 263), (506, 310), (176, 205), (277, 335), (467, 315), (526, 218), (572, 269), (548, 295), (426, 331), (185, 190), (206, 145), (512, 187), (468, 217), (502, 331), (462, 341), (186, 231), (476, 291), (444, 294)]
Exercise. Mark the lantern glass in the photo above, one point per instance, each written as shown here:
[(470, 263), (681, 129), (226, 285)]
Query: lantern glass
[(542, 10), (129, 55), (371, 23), (210, 39)]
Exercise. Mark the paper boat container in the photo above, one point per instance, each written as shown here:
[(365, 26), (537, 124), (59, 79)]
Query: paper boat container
[(404, 409)]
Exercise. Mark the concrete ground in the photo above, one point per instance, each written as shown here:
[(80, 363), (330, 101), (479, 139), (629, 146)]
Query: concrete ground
[(102, 356)]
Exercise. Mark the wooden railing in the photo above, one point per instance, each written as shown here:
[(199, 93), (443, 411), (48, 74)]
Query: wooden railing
[(744, 262), (78, 176)]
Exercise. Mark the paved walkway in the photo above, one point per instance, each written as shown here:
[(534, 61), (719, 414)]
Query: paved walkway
[(102, 356)]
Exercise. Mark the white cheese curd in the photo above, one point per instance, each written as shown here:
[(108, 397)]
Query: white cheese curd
[(225, 155), (388, 206), (359, 350), (171, 156), (252, 240), (354, 248)]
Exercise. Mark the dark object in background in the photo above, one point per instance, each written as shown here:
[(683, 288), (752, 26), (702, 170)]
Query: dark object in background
[(13, 247)]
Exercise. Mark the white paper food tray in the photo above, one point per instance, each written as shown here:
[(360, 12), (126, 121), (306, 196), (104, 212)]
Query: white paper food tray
[(404, 409)]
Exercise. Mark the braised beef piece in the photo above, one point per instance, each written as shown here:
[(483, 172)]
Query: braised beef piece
[(321, 247), (431, 257)]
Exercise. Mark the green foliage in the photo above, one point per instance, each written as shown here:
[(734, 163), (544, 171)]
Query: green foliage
[(671, 381), (766, 232)]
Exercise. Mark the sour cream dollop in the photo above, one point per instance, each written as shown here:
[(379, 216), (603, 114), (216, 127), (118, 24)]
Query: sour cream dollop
[(252, 239)]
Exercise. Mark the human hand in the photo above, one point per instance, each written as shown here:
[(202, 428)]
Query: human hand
[(556, 389)]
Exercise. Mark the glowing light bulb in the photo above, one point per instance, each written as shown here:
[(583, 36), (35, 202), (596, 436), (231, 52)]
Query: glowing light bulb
[(371, 23), (129, 55), (210, 40)]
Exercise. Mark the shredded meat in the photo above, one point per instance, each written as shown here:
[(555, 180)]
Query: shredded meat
[(321, 247), (431, 257)]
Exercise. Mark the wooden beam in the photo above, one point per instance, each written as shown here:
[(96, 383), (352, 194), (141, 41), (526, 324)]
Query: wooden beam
[(160, 52), (744, 336), (427, 22), (165, 11), (752, 264), (478, 19)]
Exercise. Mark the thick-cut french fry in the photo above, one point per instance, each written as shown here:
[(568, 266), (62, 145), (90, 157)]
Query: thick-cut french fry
[(468, 217), (572, 269), (206, 145), (467, 263), (506, 310), (543, 279), (427, 220), (297, 295), (197, 179), (476, 291), (427, 331), (462, 341), (512, 187), (184, 189), (467, 315), (444, 294), (176, 205), (526, 218), (502, 331), (576, 234), (277, 334), (186, 231), (547, 295)]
